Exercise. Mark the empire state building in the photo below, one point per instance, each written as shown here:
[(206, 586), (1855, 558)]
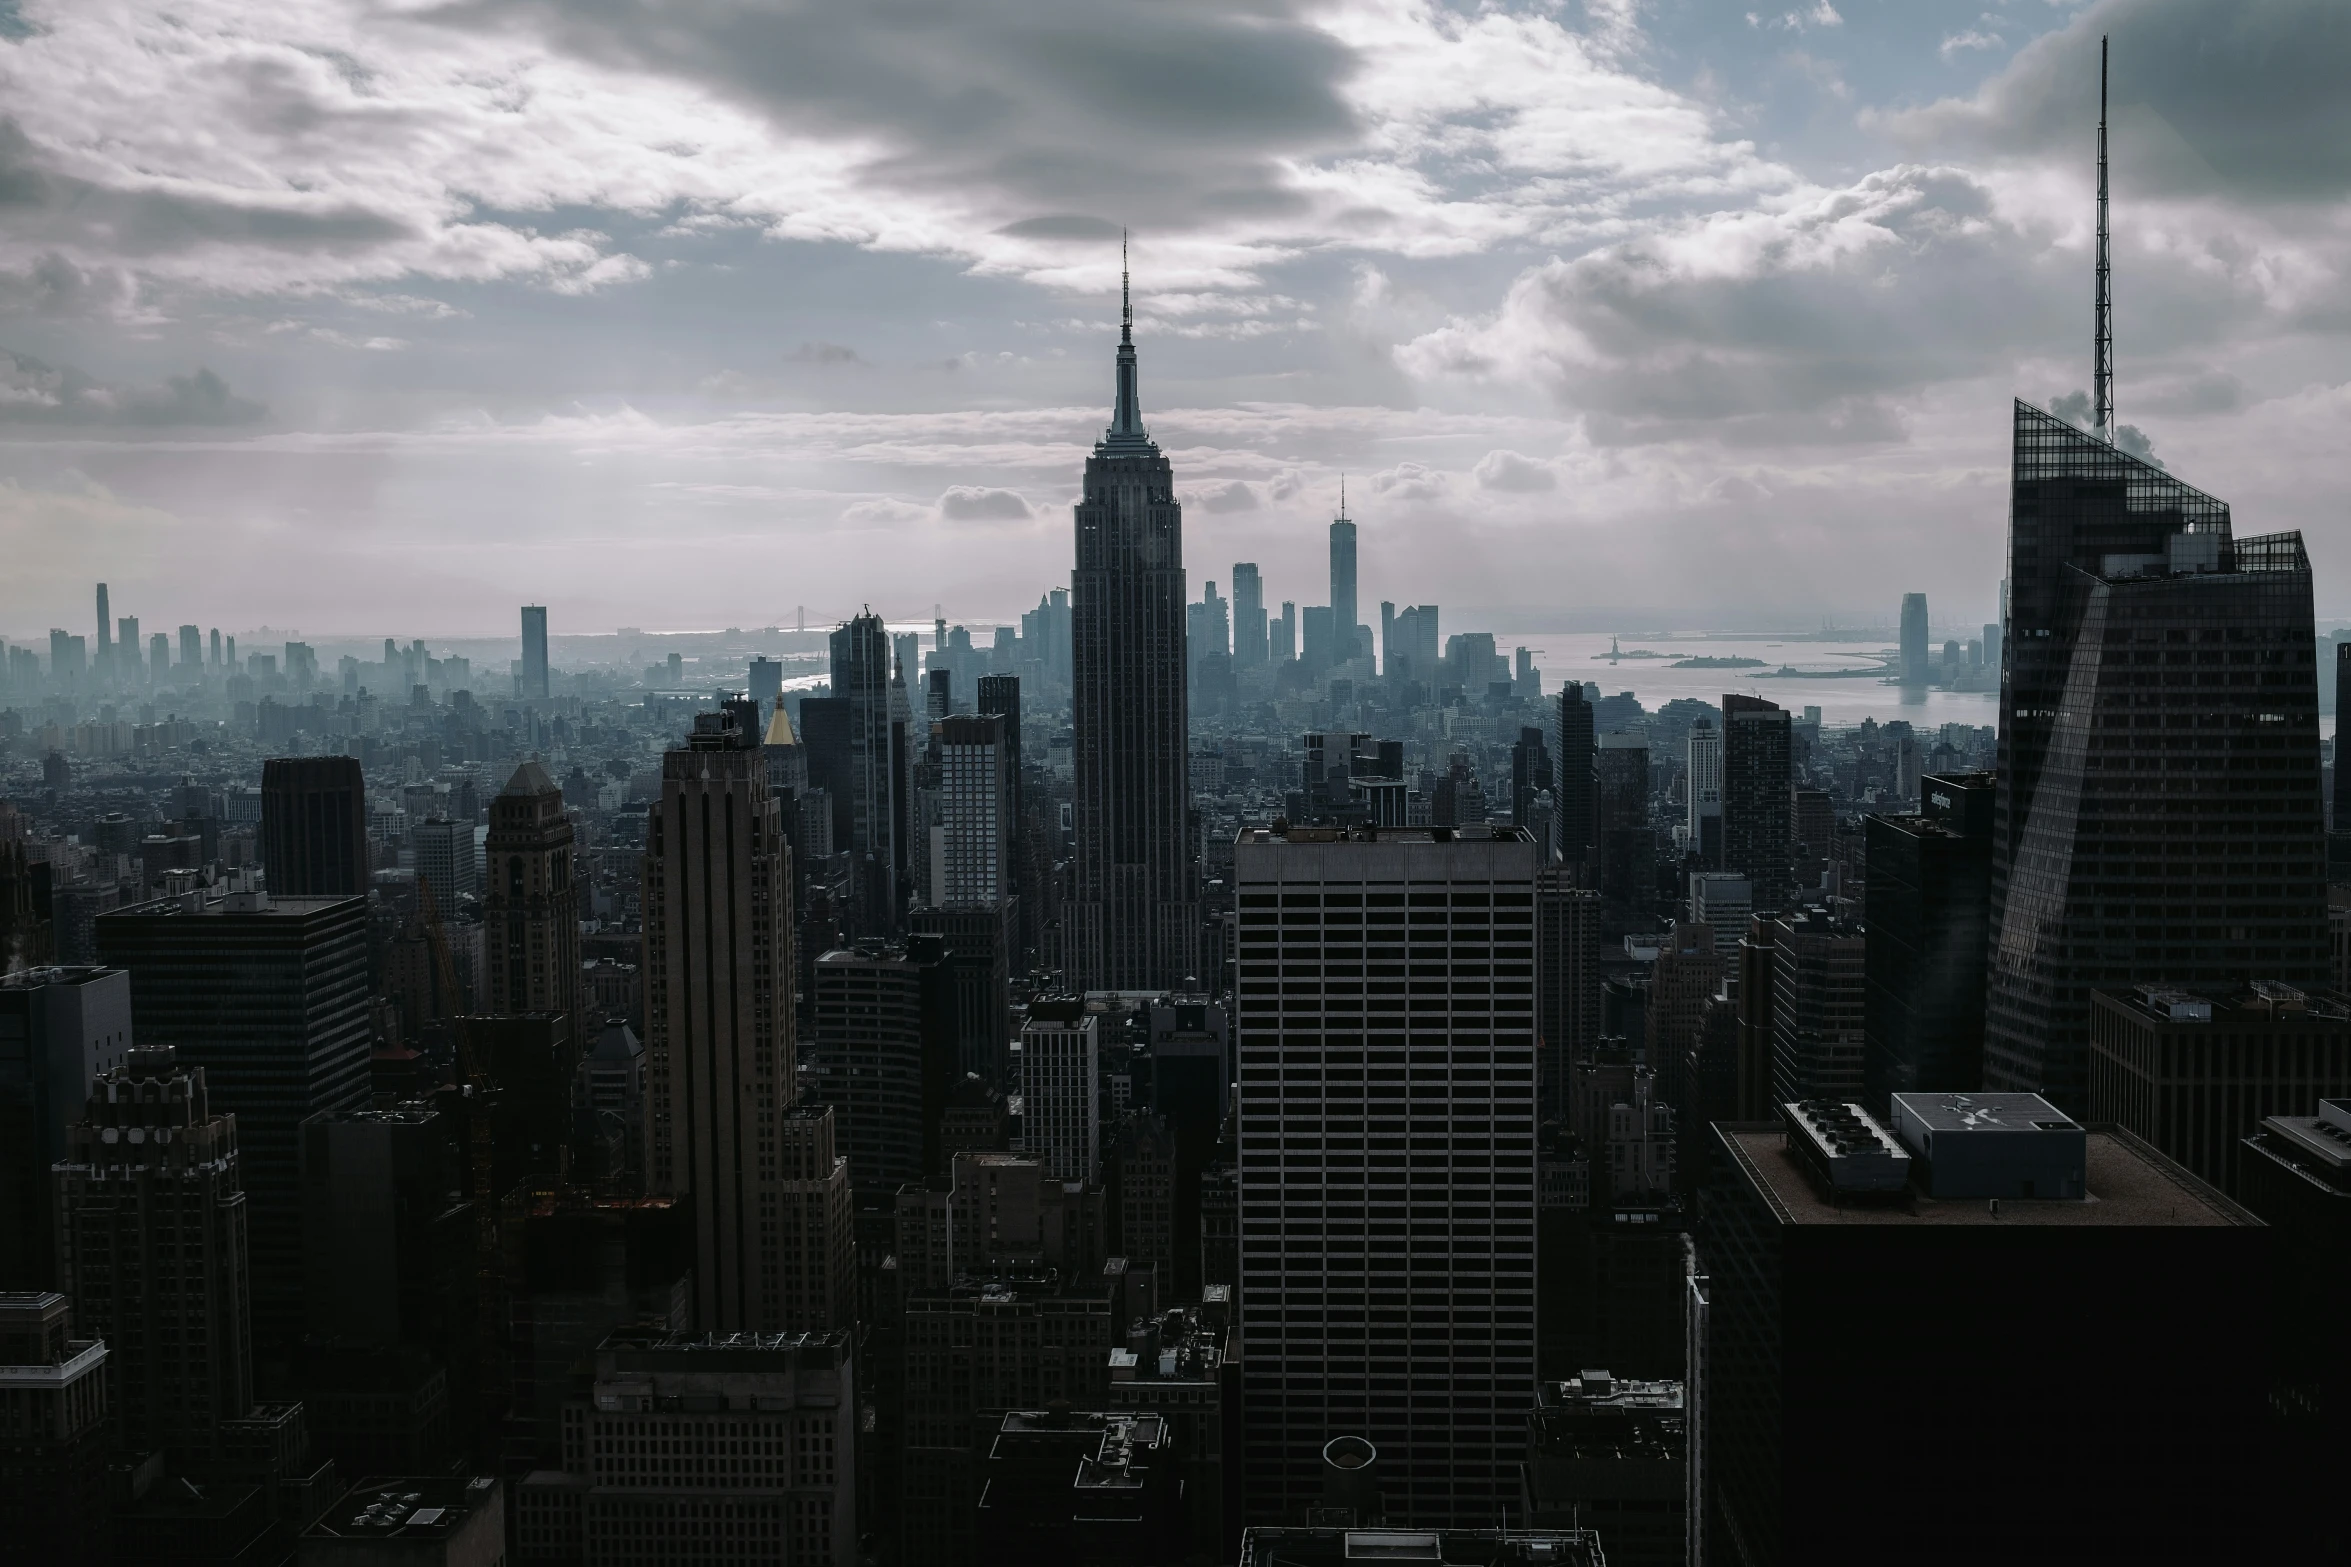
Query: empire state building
[(1133, 916)]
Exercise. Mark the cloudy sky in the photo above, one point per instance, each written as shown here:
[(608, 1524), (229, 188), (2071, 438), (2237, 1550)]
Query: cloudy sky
[(386, 315)]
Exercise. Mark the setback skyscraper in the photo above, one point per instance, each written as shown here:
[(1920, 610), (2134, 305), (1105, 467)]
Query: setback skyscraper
[(719, 1071), (866, 678), (530, 908), (1133, 914)]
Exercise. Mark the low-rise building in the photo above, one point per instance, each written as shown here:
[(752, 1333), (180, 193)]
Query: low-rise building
[(1611, 1453), (411, 1521)]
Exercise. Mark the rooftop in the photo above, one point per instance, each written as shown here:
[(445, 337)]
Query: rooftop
[(1262, 1547), (406, 1507), (2320, 1142), (1478, 832), (2130, 1185), (2263, 1003)]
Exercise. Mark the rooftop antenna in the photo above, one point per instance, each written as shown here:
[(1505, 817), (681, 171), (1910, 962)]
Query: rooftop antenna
[(1342, 497), (1126, 293), (2102, 370)]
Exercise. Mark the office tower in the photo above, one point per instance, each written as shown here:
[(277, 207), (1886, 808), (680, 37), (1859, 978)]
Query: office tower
[(1530, 774), (2196, 1072), (940, 687), (534, 650), (2295, 1174), (824, 734), (1836, 1272), (1687, 975), (766, 684), (158, 657), (314, 827), (719, 1068), (1610, 1452), (2130, 812), (152, 1246), (192, 647), (2342, 751), (1929, 902), (1312, 1067), (1722, 902), (1060, 1079), (1207, 625), (1133, 915), (1283, 646), (1819, 982), (656, 1462), (816, 1235), (60, 1030), (1343, 611), (126, 649), (1049, 1340), (392, 1294), (977, 942), (1704, 789), (269, 997), (105, 665), (1913, 662), (1248, 616), (876, 782), (1416, 644), (1625, 845), (53, 1433), (881, 1051), (1574, 825), (577, 1266), (1387, 635), (445, 859), (971, 846), (531, 905), (1758, 830), (1567, 979)]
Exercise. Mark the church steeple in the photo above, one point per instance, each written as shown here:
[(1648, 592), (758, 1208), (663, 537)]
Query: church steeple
[(1126, 416)]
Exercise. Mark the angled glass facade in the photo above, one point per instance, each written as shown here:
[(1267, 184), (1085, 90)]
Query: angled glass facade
[(2158, 815)]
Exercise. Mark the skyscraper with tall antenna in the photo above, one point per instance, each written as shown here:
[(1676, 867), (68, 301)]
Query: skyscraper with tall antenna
[(1133, 917), (2102, 342), (1345, 641), (2158, 815)]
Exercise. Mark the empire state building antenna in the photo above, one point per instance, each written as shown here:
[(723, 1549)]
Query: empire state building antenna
[(2102, 353)]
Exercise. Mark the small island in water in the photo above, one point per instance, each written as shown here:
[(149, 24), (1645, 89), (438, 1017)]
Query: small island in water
[(1718, 663)]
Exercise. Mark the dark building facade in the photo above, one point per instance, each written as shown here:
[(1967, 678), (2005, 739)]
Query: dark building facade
[(60, 1030), (269, 996), (314, 826), (2196, 1073), (530, 905), (1572, 748), (1929, 901), (1758, 811), (54, 1433), (1133, 914), (1827, 1307), (2158, 817)]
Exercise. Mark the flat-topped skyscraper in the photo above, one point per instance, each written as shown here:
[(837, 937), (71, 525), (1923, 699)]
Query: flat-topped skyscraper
[(1134, 913)]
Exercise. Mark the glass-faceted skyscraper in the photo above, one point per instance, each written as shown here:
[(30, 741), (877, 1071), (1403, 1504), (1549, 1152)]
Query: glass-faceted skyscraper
[(2158, 815), (1133, 913)]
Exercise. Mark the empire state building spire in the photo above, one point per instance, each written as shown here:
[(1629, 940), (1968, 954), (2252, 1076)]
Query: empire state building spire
[(1126, 416)]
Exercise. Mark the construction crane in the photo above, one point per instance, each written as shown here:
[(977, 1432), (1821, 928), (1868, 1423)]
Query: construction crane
[(481, 1099)]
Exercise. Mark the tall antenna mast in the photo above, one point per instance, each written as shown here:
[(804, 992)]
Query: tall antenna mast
[(1126, 291), (2102, 370)]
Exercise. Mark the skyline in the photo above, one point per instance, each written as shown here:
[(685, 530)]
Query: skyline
[(1577, 297)]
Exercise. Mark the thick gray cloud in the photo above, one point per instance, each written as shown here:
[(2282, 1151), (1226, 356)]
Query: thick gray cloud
[(1089, 113), (34, 393), (2244, 101)]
